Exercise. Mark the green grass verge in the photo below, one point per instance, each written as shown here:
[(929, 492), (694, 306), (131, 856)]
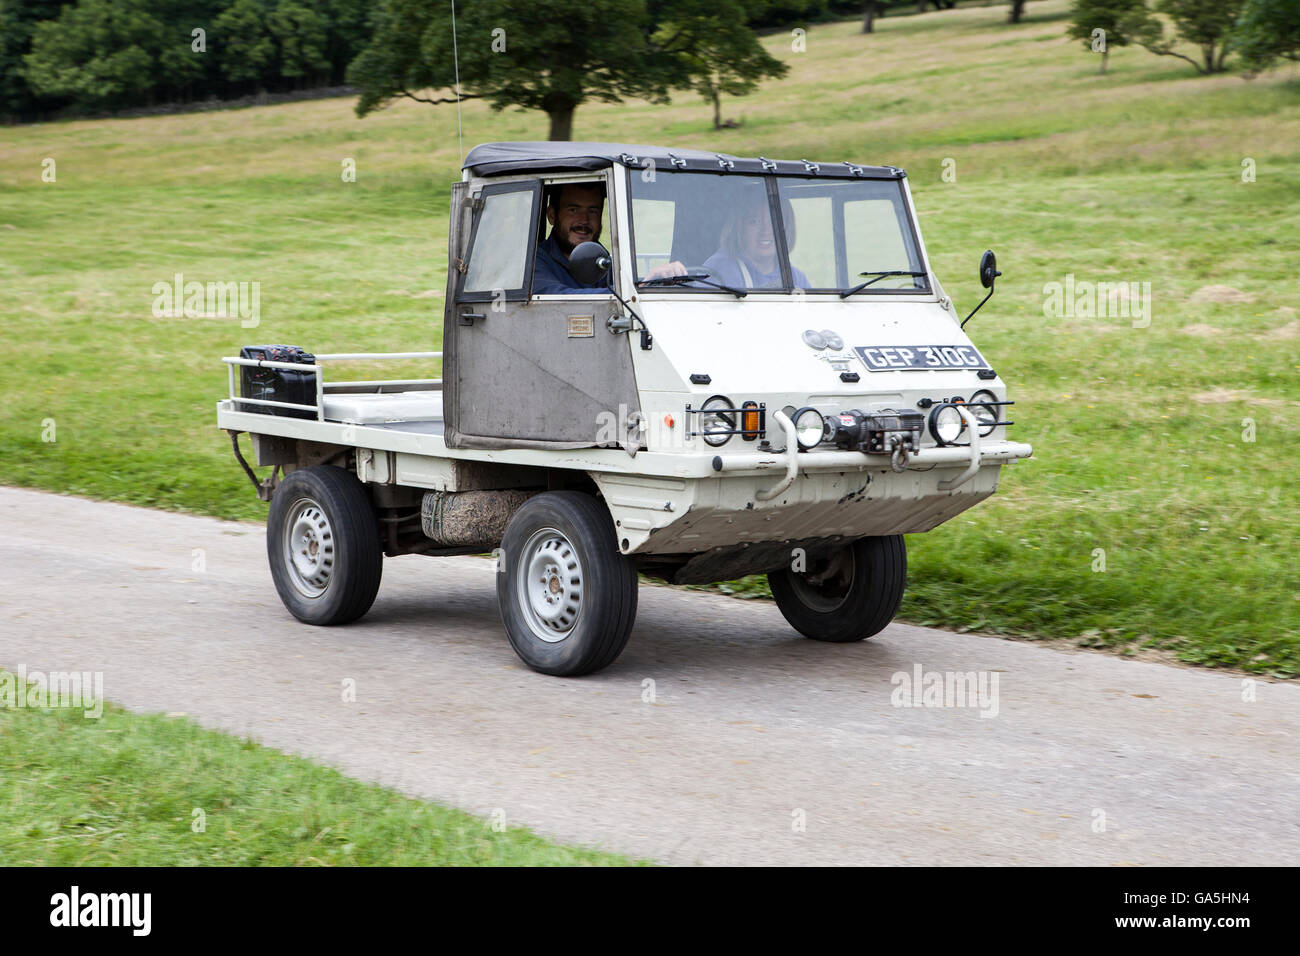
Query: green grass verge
[(1171, 448), (123, 790)]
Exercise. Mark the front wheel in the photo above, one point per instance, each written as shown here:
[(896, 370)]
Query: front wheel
[(567, 596), (847, 596), (322, 540)]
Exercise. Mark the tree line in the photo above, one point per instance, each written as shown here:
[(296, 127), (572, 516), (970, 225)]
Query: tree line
[(69, 57), (1258, 32), (63, 57), (74, 57)]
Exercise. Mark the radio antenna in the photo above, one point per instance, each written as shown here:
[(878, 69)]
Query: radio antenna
[(455, 53)]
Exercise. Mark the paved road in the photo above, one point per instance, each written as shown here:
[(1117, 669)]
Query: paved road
[(758, 747)]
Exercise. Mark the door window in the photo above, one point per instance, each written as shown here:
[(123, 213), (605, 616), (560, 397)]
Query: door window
[(500, 261)]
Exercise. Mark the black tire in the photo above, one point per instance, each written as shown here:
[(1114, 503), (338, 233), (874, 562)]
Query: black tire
[(576, 616), (847, 597), (322, 541)]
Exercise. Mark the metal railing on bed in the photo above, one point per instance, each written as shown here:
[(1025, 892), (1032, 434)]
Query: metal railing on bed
[(321, 386)]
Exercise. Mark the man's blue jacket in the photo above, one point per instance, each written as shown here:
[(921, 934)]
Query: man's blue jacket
[(551, 275)]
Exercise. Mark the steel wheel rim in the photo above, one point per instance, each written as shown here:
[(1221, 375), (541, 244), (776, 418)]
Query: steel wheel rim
[(308, 547), (827, 589), (549, 585)]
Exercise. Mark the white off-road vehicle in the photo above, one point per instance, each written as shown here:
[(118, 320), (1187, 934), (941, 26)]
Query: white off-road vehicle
[(760, 374)]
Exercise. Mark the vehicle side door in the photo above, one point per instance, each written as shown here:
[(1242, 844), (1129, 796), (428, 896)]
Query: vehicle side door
[(528, 371)]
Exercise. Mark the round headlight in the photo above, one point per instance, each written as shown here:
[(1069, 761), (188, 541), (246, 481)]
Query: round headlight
[(809, 427), (833, 341), (717, 426), (814, 339), (987, 415), (946, 424)]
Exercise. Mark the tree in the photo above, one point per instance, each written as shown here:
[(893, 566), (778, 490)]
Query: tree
[(1207, 23), (247, 47), (717, 51), (787, 13), (870, 10), (1267, 30), (18, 19), (301, 34), (1116, 19), (110, 53), (349, 31), (554, 55), (1017, 10), (266, 42)]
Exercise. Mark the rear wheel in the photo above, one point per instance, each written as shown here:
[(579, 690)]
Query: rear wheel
[(567, 596), (322, 541), (848, 596)]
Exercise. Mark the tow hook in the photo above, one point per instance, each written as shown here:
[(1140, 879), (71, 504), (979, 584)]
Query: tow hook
[(899, 456)]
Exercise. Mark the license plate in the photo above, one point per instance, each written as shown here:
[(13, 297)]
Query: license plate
[(889, 358)]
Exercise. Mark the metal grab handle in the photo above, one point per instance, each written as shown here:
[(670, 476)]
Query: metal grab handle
[(973, 426), (791, 457)]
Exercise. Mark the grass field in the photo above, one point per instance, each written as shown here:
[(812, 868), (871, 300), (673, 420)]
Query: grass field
[(1172, 448), (149, 790)]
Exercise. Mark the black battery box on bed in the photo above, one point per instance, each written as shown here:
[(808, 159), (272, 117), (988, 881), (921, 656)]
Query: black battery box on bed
[(278, 384)]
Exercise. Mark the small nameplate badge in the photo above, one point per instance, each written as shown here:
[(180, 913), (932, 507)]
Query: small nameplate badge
[(582, 326)]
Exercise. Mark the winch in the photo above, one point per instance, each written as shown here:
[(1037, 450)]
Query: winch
[(877, 433)]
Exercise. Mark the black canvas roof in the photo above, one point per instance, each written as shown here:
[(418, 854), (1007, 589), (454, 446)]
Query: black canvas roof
[(500, 159)]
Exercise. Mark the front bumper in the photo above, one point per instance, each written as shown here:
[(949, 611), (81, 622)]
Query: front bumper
[(974, 456)]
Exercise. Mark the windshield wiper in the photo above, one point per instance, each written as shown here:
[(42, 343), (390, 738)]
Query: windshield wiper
[(678, 280), (878, 276)]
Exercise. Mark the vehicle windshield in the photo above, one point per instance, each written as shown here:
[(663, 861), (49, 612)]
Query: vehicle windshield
[(771, 233)]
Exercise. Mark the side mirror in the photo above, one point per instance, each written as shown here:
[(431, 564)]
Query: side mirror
[(988, 272), (988, 268), (589, 262)]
